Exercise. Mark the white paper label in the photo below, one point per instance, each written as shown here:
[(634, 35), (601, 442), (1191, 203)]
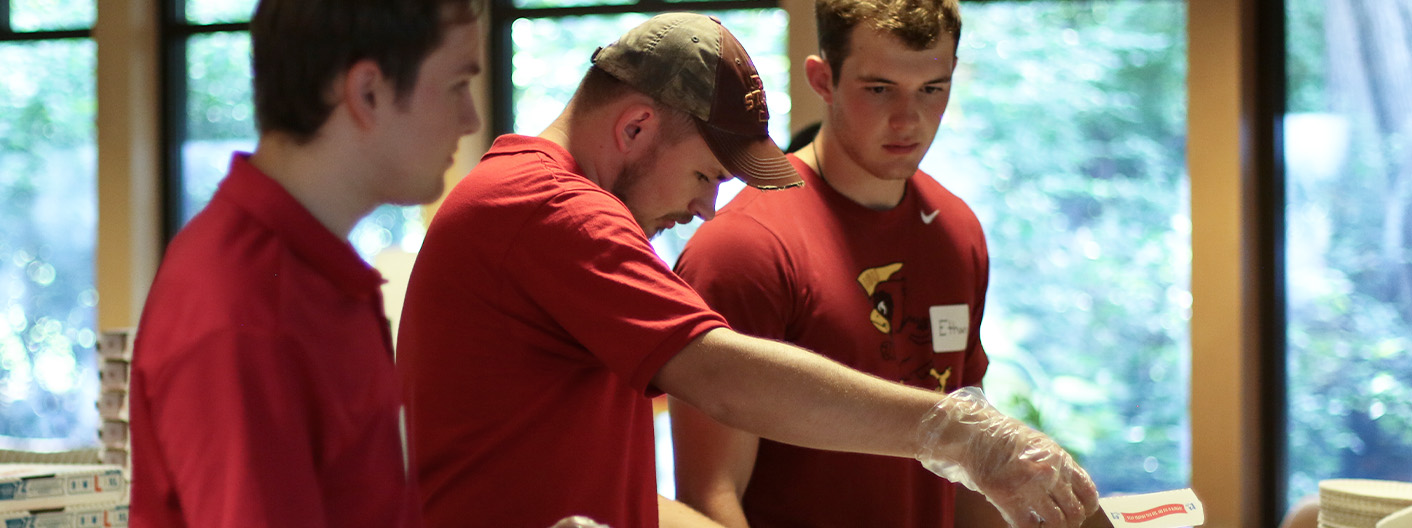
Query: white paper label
[(951, 324), (1166, 509)]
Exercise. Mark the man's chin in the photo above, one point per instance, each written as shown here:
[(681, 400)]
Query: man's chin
[(425, 196)]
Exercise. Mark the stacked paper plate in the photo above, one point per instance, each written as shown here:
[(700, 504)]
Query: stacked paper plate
[(1359, 503)]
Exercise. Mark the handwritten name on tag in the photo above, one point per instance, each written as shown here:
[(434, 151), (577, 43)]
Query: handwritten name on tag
[(951, 325)]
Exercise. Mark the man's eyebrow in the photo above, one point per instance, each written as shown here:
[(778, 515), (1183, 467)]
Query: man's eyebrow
[(881, 80), (875, 79)]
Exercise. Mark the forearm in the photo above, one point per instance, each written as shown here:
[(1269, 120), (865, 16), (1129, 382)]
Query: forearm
[(673, 514), (791, 395), (722, 508), (713, 464), (794, 396)]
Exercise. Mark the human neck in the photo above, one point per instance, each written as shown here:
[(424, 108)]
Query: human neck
[(326, 180), (841, 172), (574, 133)]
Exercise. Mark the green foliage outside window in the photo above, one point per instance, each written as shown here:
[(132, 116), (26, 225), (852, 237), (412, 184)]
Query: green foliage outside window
[(218, 11), (1348, 155), (51, 15), (1067, 135), (48, 222)]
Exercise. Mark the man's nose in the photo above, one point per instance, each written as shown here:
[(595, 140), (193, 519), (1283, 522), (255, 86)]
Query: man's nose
[(704, 207)]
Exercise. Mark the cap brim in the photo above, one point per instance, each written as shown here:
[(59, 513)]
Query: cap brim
[(755, 159)]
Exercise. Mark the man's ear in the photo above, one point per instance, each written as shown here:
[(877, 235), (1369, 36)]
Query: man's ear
[(363, 90), (820, 76), (636, 126)]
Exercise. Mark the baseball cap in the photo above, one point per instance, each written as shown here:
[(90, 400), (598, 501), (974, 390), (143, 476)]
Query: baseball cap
[(693, 63)]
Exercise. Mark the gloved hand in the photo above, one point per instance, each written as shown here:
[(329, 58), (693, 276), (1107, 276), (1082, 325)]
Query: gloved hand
[(1023, 472)]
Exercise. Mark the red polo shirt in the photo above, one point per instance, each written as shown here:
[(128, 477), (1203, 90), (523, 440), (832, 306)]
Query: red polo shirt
[(263, 389), (536, 316)]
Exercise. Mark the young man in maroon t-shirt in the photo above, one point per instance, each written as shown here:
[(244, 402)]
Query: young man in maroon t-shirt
[(263, 387), (873, 264), (538, 320)]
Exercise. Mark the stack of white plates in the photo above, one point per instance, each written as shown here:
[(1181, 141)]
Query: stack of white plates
[(1360, 503)]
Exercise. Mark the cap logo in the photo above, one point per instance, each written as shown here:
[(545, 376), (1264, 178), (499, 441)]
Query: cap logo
[(755, 98)]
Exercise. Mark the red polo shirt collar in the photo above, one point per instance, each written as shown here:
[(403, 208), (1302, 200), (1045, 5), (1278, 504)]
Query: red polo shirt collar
[(270, 204)]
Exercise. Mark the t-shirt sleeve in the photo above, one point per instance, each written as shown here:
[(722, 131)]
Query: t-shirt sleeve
[(976, 360), (237, 421), (742, 271), (587, 264)]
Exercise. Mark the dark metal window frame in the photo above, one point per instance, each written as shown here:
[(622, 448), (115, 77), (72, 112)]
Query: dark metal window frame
[(8, 33), (501, 49), (1268, 28), (175, 34)]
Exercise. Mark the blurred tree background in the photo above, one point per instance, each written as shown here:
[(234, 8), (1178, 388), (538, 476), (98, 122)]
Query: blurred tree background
[(48, 223), (1348, 153), (1067, 135)]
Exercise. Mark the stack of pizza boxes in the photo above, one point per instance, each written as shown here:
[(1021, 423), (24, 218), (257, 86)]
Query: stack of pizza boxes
[(62, 496), (114, 368), (35, 495)]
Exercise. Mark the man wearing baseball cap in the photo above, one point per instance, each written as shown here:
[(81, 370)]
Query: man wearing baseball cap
[(538, 320)]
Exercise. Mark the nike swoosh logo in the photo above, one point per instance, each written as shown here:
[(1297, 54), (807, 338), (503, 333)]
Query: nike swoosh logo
[(927, 218)]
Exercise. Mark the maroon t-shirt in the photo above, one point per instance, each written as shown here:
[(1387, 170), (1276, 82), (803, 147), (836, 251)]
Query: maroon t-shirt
[(536, 316), (263, 388), (896, 293)]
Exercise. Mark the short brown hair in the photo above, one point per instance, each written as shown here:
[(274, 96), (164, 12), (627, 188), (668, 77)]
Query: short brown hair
[(917, 23), (599, 88), (298, 47)]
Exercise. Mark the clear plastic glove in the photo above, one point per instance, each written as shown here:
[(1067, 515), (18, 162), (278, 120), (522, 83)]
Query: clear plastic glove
[(578, 521), (1025, 474)]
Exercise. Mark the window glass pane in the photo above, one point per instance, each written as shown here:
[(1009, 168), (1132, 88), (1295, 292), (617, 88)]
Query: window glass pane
[(48, 15), (48, 207), (551, 55), (220, 119), (219, 11), (220, 114), (1066, 134), (1348, 163)]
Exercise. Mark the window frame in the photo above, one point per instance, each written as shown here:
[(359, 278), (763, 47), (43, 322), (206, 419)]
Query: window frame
[(8, 33), (1267, 153), (501, 49), (174, 35)]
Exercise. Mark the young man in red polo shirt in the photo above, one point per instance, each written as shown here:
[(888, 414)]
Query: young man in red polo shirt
[(873, 264), (538, 320), (263, 390)]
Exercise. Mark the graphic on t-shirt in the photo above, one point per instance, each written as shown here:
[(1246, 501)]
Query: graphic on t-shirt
[(909, 339), (941, 379), (884, 302)]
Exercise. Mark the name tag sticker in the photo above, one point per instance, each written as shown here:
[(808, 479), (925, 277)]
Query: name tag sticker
[(951, 325)]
